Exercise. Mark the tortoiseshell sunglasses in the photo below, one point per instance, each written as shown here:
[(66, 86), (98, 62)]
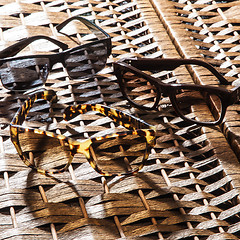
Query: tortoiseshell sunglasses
[(119, 153), (145, 91), (21, 73)]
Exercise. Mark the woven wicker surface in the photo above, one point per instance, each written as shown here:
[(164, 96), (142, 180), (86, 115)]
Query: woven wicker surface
[(189, 188)]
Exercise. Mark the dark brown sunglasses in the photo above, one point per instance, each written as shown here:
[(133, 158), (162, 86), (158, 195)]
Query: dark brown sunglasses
[(145, 91)]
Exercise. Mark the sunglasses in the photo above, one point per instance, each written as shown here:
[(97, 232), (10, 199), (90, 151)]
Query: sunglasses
[(21, 73), (188, 100), (119, 153)]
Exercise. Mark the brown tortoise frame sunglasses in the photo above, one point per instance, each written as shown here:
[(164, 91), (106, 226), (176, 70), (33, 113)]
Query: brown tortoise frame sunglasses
[(119, 153), (145, 91), (22, 73)]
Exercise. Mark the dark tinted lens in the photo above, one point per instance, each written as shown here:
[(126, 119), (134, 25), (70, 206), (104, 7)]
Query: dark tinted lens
[(24, 74), (119, 155), (194, 105), (87, 61), (48, 153), (139, 90)]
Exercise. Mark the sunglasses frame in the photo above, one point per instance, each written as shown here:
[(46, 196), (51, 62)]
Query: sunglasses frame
[(135, 125), (8, 54), (227, 96)]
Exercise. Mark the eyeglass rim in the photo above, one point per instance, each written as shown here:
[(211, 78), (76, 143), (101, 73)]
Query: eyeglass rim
[(227, 96), (21, 115)]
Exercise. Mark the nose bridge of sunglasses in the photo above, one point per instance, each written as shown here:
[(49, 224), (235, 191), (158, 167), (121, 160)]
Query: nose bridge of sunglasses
[(44, 71), (151, 136), (81, 147), (48, 95)]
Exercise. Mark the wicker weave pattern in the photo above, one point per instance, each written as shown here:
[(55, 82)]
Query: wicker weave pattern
[(189, 188), (209, 30)]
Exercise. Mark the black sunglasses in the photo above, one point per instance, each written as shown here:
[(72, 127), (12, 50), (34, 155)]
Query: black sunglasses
[(145, 91), (21, 73)]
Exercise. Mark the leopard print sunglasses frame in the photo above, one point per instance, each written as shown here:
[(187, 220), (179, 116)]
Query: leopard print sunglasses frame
[(133, 146)]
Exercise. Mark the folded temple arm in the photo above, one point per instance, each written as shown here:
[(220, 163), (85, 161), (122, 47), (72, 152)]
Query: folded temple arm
[(128, 121), (17, 47), (171, 64)]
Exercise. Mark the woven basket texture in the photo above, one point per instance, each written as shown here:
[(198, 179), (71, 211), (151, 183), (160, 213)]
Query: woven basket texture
[(189, 188)]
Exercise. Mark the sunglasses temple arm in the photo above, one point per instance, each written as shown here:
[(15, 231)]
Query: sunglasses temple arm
[(17, 47), (173, 63), (22, 113), (128, 121), (60, 26), (89, 24)]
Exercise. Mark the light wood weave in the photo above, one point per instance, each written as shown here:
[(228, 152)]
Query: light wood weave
[(189, 188)]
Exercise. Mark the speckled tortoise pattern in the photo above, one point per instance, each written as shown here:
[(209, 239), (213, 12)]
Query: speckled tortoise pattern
[(136, 127)]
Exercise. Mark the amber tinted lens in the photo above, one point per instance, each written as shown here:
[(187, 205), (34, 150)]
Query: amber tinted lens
[(24, 74), (44, 152), (194, 105), (139, 90), (119, 155), (87, 61)]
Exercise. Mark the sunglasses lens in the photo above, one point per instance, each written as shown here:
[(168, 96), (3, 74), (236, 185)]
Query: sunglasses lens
[(87, 61), (24, 74), (94, 48), (44, 152), (119, 155), (193, 105), (140, 91)]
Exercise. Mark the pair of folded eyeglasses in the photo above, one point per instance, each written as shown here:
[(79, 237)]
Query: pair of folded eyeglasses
[(22, 73), (145, 91), (120, 153)]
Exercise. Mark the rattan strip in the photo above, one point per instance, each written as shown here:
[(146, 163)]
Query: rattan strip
[(148, 193)]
